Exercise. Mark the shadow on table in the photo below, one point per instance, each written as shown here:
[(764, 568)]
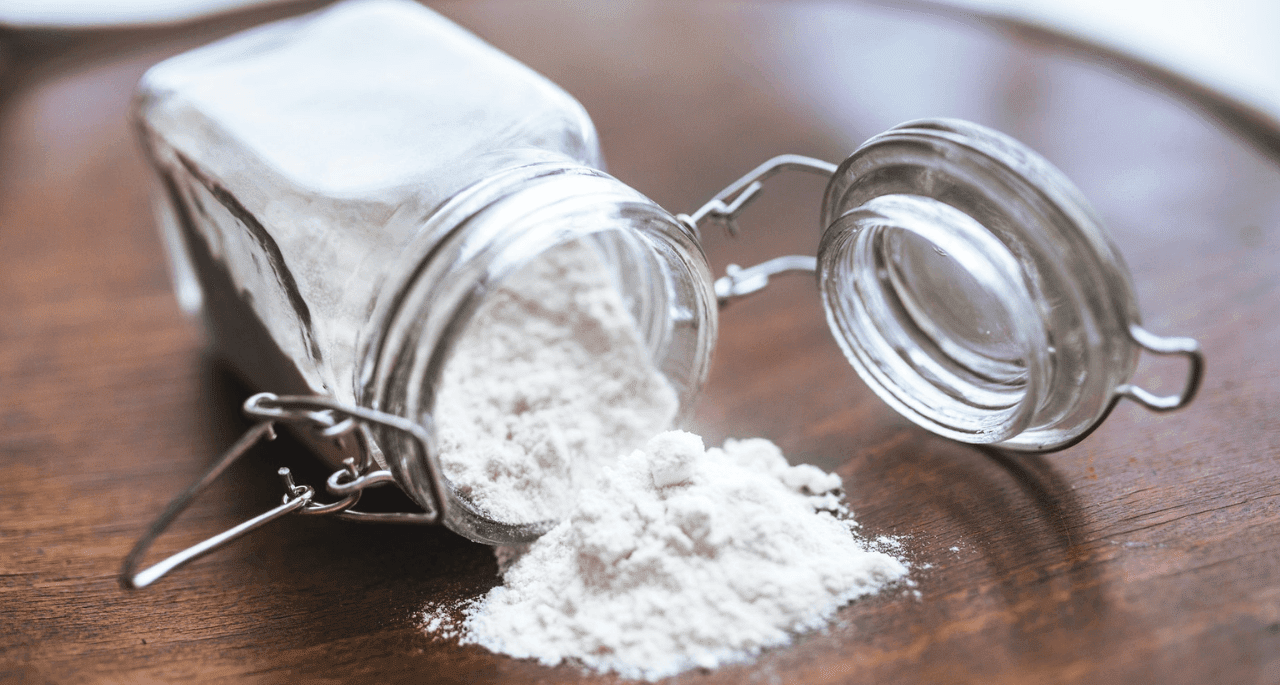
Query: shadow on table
[(1000, 544)]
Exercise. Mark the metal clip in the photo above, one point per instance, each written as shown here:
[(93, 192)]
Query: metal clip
[(730, 202), (1156, 344), (739, 282), (331, 419)]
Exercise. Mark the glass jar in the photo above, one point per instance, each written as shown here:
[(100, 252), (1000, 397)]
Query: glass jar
[(341, 191), (338, 205)]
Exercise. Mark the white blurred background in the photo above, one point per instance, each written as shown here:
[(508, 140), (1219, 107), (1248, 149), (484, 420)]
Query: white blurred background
[(1232, 47)]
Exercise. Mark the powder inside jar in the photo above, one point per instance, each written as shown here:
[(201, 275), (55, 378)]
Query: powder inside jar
[(549, 383)]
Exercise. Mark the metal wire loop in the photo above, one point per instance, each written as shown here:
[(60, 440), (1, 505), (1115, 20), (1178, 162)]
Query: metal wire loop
[(1155, 344), (132, 580), (739, 282), (312, 507), (329, 418), (303, 405), (730, 202)]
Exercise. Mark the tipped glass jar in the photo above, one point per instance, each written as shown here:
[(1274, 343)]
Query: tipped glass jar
[(340, 192)]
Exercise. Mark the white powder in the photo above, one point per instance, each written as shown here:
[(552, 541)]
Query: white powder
[(666, 558), (549, 384), (680, 557)]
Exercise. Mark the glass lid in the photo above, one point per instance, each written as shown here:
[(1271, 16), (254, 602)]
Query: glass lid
[(970, 285)]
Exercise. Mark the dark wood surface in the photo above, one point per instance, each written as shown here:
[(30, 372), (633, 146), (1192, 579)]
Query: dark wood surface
[(1150, 553)]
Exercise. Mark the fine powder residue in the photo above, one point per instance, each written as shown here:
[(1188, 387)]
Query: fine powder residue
[(668, 555), (549, 383)]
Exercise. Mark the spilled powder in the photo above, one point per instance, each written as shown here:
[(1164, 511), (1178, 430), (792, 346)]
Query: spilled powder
[(668, 556), (680, 557)]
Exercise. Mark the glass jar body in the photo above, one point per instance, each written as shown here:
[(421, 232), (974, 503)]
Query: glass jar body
[(267, 182), (339, 191)]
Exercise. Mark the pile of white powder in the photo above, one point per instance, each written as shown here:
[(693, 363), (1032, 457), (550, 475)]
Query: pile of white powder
[(666, 557)]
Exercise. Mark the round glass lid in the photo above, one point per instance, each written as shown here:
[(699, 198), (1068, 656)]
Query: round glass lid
[(971, 286)]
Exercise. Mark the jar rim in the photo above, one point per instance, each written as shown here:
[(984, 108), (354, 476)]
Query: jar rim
[(487, 233)]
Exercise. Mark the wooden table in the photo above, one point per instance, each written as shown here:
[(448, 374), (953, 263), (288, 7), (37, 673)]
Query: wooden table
[(1148, 553)]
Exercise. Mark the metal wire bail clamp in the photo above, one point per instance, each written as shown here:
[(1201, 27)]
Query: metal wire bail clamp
[(730, 202), (332, 419)]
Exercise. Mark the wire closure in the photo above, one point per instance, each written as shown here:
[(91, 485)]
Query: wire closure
[(739, 282), (329, 418), (1158, 345), (1155, 344), (730, 202)]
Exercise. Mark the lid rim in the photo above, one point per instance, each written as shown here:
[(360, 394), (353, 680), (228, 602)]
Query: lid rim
[(1043, 220)]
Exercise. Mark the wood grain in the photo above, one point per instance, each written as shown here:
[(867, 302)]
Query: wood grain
[(1148, 553)]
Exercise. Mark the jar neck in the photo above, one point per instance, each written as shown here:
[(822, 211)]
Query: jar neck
[(486, 233)]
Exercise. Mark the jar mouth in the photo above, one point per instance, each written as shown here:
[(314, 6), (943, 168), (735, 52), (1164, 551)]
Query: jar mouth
[(931, 307), (490, 232), (971, 286)]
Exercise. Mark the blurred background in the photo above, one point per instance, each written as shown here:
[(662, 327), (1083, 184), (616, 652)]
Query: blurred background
[(1146, 554), (1227, 47)]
